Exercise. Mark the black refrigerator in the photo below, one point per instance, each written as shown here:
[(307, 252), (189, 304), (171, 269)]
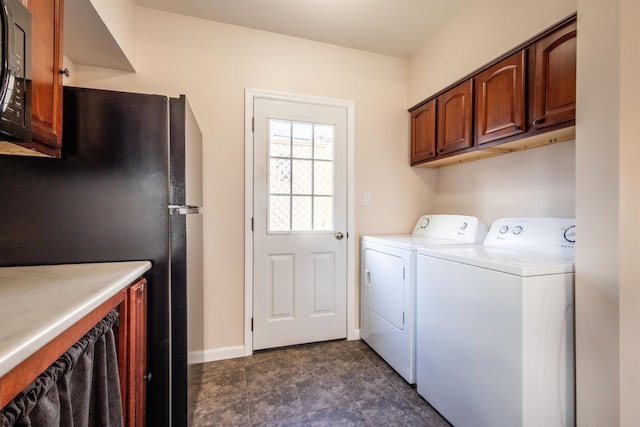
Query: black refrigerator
[(128, 187)]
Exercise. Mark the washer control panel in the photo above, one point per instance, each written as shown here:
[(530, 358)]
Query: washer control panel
[(536, 233), (458, 228)]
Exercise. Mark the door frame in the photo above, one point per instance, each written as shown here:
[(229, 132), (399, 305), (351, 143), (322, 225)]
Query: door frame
[(250, 95)]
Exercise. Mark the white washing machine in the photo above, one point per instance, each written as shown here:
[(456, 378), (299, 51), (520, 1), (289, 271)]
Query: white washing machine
[(495, 335), (388, 265)]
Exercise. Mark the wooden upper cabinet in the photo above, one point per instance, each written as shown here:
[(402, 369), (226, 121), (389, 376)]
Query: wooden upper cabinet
[(46, 80), (500, 100), (554, 95), (455, 119), (423, 132), (525, 98)]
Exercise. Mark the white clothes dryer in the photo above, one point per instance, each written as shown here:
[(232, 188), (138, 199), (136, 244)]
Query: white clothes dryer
[(388, 284), (495, 326)]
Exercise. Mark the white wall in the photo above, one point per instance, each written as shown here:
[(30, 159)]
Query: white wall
[(212, 64), (71, 66), (597, 193), (629, 214), (608, 207), (119, 17), (539, 182)]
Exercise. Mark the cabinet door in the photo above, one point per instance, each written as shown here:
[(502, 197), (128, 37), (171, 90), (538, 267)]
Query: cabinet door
[(423, 132), (455, 118), (46, 80), (132, 353), (554, 98), (138, 354), (500, 100)]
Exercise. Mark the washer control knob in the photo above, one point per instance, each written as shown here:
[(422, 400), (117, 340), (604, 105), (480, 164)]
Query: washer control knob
[(424, 223), (570, 234), (463, 226), (504, 229), (517, 230)]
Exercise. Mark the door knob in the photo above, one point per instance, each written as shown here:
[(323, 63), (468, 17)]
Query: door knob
[(339, 235)]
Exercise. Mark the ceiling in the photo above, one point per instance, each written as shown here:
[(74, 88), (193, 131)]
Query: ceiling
[(388, 27)]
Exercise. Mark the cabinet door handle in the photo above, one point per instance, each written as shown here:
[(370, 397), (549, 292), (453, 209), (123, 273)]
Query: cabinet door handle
[(516, 127), (64, 71), (537, 121)]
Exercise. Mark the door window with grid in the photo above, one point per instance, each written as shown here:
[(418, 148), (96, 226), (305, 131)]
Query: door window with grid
[(301, 179)]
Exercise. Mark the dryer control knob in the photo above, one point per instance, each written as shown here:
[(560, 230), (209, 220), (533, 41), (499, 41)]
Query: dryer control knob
[(517, 230), (504, 229), (570, 234), (463, 226), (424, 223)]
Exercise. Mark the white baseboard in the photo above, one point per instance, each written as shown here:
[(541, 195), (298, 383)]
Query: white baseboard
[(222, 353), (195, 357)]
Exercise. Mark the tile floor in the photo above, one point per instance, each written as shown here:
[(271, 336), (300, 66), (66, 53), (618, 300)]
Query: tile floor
[(337, 383)]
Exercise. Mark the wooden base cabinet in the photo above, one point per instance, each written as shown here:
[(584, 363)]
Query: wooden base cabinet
[(131, 338), (132, 354)]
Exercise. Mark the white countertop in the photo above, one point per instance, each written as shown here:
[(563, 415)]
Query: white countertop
[(40, 302)]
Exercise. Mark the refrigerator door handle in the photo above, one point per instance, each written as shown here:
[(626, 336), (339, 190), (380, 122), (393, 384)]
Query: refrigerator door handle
[(183, 210)]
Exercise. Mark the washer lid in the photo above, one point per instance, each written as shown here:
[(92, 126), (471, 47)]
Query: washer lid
[(518, 262)]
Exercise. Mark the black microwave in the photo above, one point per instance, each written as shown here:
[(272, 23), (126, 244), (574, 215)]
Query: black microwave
[(15, 78)]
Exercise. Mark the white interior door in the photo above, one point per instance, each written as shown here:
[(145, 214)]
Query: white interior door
[(300, 223)]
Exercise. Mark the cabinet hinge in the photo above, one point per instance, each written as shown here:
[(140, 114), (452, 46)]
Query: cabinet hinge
[(253, 124), (403, 275), (403, 317), (252, 324), (251, 223)]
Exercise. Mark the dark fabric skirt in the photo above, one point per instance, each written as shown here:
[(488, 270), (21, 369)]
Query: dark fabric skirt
[(81, 388)]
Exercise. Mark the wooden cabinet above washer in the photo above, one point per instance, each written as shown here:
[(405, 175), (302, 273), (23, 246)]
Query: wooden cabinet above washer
[(423, 133), (455, 119), (554, 82), (523, 99), (500, 99)]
